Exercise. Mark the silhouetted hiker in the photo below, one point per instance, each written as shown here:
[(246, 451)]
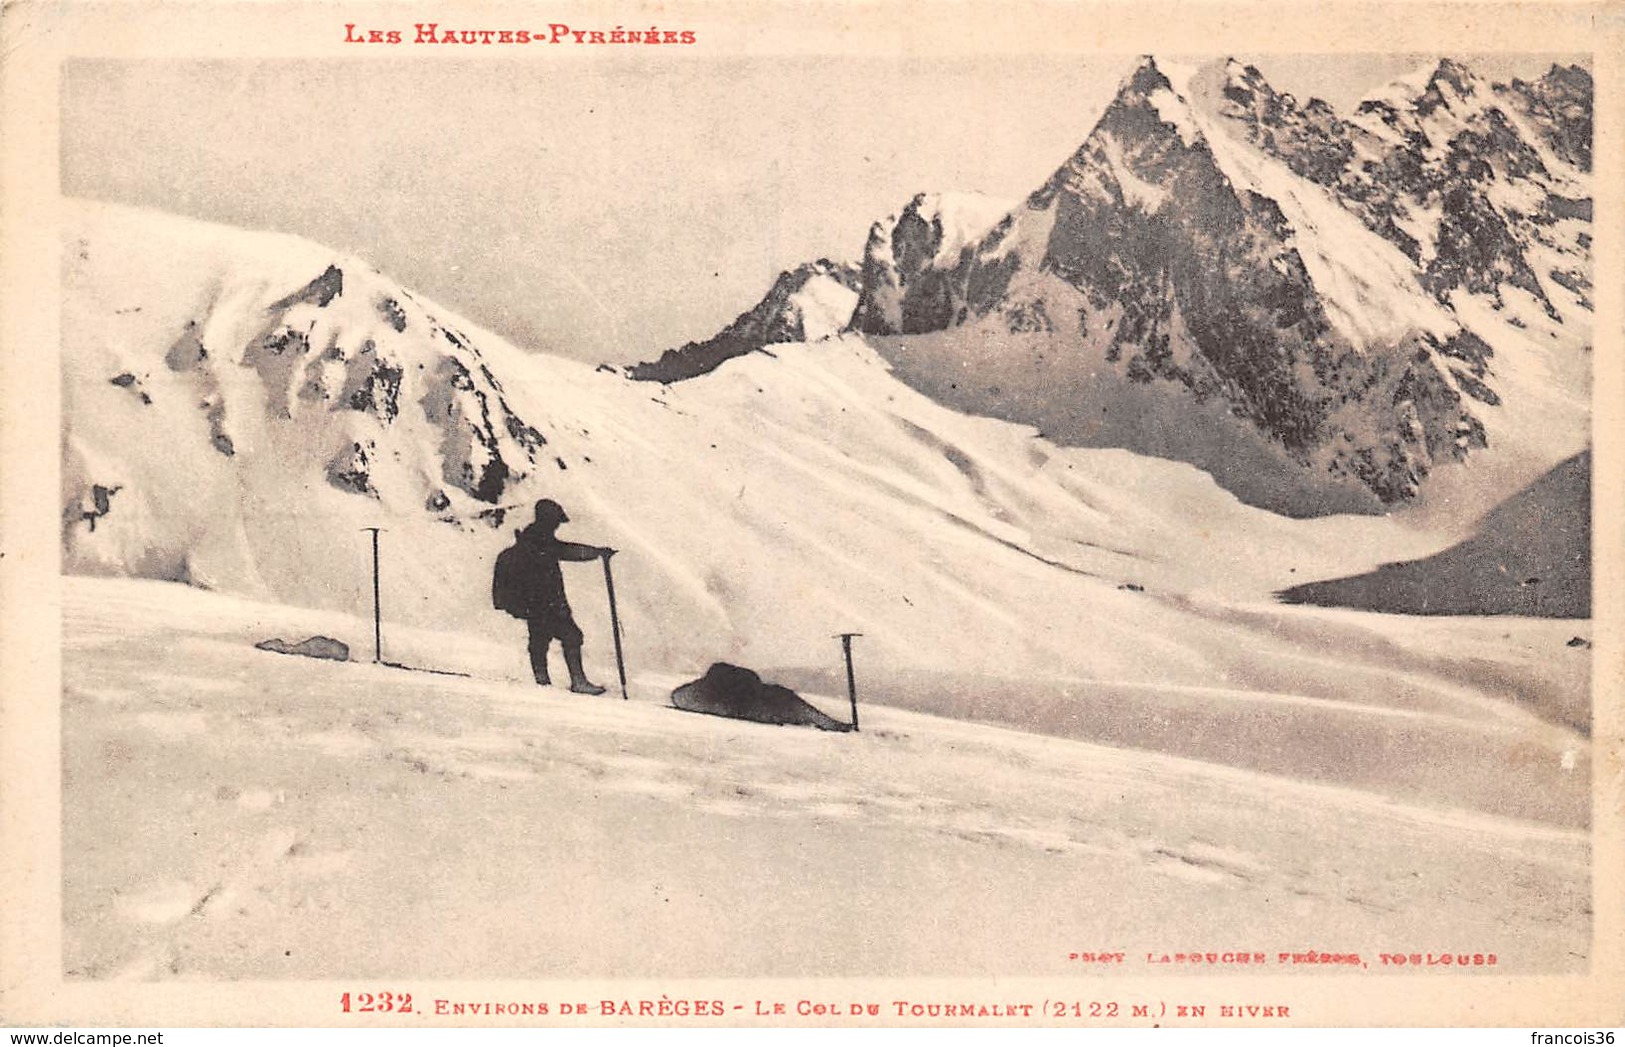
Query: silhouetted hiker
[(528, 584)]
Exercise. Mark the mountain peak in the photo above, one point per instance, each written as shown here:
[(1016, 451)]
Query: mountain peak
[(907, 254), (811, 301), (1460, 78), (1238, 73), (1573, 81), (1242, 83), (1145, 78), (1559, 105), (1575, 75)]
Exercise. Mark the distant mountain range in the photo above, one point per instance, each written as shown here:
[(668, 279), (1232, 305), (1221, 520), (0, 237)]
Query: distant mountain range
[(1320, 311)]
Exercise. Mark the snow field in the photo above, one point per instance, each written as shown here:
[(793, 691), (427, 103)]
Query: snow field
[(236, 813)]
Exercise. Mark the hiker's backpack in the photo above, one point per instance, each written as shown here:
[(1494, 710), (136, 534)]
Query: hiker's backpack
[(508, 591)]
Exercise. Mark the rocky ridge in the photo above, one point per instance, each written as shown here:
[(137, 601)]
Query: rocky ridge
[(1217, 244), (804, 304)]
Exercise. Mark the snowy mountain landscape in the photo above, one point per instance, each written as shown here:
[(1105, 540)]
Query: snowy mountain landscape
[(1215, 521), (1325, 315)]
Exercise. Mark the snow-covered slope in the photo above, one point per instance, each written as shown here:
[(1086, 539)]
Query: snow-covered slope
[(237, 402), (231, 813), (760, 509)]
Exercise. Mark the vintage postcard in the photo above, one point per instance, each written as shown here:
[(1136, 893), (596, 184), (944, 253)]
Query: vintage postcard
[(811, 514)]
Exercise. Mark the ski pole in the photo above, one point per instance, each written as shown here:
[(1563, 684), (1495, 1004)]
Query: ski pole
[(377, 608), (851, 681), (615, 625)]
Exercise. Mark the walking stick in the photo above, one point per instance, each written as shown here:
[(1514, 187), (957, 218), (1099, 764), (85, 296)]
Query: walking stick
[(615, 624), (851, 681), (377, 607)]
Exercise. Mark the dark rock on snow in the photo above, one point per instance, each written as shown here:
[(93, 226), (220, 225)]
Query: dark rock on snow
[(313, 647), (1530, 556), (728, 690)]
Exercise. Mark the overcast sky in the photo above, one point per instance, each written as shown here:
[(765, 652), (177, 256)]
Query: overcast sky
[(602, 210)]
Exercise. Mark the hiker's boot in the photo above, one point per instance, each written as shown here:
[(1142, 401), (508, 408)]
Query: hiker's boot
[(538, 658), (578, 677)]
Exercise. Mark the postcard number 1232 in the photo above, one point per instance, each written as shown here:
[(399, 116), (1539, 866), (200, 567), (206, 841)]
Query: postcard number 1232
[(381, 1003)]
